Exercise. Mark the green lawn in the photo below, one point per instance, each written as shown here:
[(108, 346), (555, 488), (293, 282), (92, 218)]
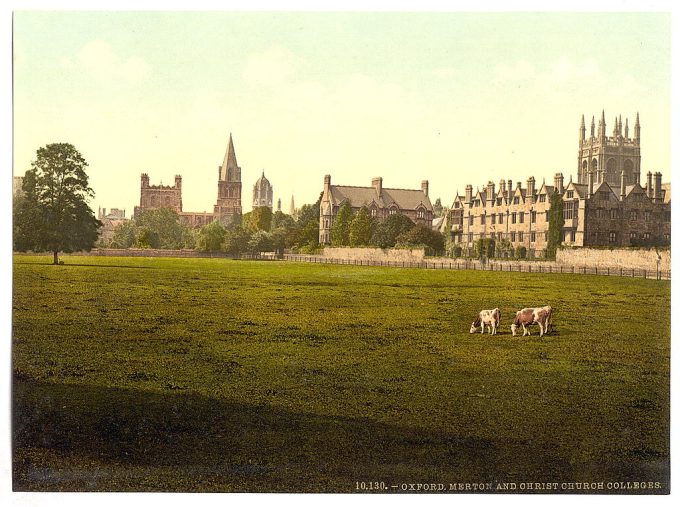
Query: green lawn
[(222, 375)]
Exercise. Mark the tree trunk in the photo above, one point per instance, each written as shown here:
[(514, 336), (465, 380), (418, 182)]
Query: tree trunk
[(56, 257)]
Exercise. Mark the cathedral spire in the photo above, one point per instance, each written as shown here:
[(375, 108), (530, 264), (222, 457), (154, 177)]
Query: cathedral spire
[(229, 170)]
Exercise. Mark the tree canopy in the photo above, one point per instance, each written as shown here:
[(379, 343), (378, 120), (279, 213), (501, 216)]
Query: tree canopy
[(340, 227), (360, 228), (555, 225), (387, 231), (53, 215), (423, 235)]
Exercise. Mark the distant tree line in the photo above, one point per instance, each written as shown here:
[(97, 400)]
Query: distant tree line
[(259, 230)]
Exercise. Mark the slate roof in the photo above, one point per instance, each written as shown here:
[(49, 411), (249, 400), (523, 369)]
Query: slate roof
[(364, 196)]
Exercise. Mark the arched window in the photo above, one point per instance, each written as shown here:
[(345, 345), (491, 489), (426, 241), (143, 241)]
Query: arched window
[(584, 171), (628, 170)]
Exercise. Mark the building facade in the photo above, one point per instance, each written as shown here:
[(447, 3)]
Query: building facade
[(380, 202), (228, 202), (596, 211), (263, 193)]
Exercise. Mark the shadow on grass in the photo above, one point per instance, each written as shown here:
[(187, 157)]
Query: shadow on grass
[(81, 438), (70, 264)]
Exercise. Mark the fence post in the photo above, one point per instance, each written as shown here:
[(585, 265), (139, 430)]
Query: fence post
[(644, 273)]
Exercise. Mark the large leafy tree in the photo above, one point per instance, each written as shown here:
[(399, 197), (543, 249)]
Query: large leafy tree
[(165, 224), (211, 237), (53, 215), (260, 219), (387, 231), (423, 235), (360, 228), (340, 228), (555, 225)]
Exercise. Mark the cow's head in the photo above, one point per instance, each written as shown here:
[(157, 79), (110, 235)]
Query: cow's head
[(514, 326), (475, 324)]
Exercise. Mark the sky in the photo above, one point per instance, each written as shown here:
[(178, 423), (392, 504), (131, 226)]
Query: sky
[(451, 97)]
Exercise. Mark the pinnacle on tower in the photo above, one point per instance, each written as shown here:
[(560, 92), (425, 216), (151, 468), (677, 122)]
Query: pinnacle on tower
[(636, 130), (625, 132), (583, 128), (592, 127)]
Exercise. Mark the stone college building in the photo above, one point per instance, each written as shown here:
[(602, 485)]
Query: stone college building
[(606, 206)]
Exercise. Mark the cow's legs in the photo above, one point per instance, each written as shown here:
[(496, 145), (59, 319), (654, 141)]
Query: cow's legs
[(482, 327), (540, 327)]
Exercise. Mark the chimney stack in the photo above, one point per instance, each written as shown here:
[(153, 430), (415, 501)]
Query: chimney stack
[(559, 183), (591, 182), (509, 190), (326, 186), (377, 184), (649, 184), (501, 188), (425, 187), (490, 188), (468, 193), (657, 187), (623, 185), (531, 187)]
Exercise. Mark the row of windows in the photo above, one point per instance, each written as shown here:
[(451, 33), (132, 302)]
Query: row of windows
[(512, 236)]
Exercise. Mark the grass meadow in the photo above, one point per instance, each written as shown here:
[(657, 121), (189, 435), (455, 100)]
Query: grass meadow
[(152, 374)]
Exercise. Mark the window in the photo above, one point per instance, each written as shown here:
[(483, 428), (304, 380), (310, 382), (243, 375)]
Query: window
[(541, 198), (521, 236), (546, 235), (499, 201), (613, 213), (456, 205), (646, 235), (533, 217), (667, 216), (572, 234), (500, 218), (604, 196), (374, 212), (499, 235), (515, 200), (392, 211), (493, 219), (512, 236), (533, 237), (493, 235), (667, 236), (648, 216), (477, 203), (599, 213), (612, 237), (633, 235), (547, 215), (420, 213), (469, 237), (514, 218), (570, 194), (471, 220), (634, 214), (482, 235), (521, 217), (482, 219)]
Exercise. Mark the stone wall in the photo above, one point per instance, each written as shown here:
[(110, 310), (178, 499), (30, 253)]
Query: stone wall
[(615, 258), (375, 254)]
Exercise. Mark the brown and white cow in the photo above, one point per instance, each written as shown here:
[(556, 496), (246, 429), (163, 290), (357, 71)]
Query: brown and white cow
[(528, 316), (491, 318)]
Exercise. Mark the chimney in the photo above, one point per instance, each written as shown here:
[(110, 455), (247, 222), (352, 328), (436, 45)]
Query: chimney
[(326, 186), (531, 187), (591, 182), (501, 188), (657, 187), (519, 185), (178, 181), (559, 183), (425, 187), (649, 184), (490, 187), (509, 189), (468, 193), (377, 184), (145, 180)]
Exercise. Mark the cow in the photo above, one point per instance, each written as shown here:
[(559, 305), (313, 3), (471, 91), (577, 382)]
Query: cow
[(528, 316), (491, 318)]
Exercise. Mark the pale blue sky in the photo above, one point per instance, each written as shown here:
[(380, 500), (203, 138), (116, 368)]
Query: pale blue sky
[(455, 98)]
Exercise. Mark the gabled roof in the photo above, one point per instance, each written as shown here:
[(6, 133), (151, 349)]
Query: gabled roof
[(666, 189), (364, 196), (546, 189)]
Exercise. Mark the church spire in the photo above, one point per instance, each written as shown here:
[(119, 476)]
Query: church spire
[(230, 170), (583, 128)]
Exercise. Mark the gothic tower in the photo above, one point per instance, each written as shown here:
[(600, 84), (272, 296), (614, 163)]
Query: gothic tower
[(263, 193), (228, 187), (607, 158)]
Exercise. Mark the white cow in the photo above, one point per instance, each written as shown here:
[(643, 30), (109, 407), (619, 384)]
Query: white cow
[(491, 318), (528, 316)]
